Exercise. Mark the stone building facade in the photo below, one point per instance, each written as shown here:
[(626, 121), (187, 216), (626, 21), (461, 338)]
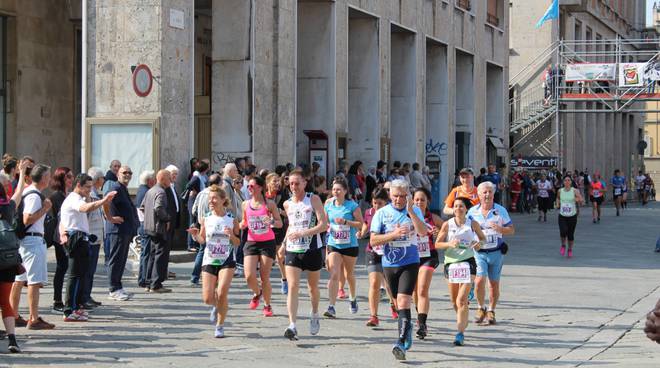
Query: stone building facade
[(408, 80)]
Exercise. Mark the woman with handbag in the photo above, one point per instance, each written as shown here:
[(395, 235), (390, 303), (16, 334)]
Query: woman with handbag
[(7, 275)]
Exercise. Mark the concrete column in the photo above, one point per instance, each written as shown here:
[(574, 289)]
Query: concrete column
[(625, 147), (437, 110), (147, 37), (363, 89), (569, 141), (592, 135), (231, 102), (494, 103), (465, 99), (403, 95), (316, 78)]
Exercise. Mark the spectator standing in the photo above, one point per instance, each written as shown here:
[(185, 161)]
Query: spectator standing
[(416, 177), (121, 227), (61, 184), (381, 175), (157, 224), (147, 180), (195, 185), (111, 175), (96, 228), (7, 276), (74, 233), (33, 249)]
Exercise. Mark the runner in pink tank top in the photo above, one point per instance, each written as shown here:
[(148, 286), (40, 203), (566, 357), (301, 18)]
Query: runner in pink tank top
[(259, 217)]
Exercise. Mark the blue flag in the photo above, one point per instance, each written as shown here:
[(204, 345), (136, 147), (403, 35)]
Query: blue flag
[(551, 13)]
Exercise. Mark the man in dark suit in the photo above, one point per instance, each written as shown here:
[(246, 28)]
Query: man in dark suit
[(158, 227)]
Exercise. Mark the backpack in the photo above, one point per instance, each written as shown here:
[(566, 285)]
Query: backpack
[(9, 256), (50, 222)]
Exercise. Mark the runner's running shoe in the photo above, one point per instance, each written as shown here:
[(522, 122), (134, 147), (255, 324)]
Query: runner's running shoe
[(330, 313), (490, 317), (354, 306), (422, 331), (481, 315), (268, 311), (562, 250), (75, 316), (341, 294), (570, 253), (219, 332), (285, 287), (398, 351), (254, 303), (459, 340), (314, 324), (395, 314), (291, 334), (373, 321)]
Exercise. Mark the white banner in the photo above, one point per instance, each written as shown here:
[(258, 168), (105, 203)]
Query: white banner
[(590, 72)]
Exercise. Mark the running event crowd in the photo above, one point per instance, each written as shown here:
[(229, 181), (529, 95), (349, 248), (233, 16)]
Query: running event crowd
[(243, 220)]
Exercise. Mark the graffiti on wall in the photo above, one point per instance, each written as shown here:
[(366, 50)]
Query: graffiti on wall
[(220, 159), (436, 148)]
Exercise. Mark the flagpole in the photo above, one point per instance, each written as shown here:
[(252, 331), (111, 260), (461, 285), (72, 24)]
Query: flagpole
[(558, 131)]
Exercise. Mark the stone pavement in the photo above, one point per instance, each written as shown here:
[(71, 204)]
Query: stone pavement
[(585, 311)]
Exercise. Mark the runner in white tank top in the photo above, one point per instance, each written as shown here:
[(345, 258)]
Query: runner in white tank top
[(219, 231)]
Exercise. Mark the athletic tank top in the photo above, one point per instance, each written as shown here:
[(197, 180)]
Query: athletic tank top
[(465, 235), (567, 205), (258, 220), (425, 243), (218, 247), (597, 188), (301, 217)]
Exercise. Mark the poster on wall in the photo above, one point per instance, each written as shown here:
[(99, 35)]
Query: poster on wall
[(321, 158), (590, 72), (631, 74), (131, 141)]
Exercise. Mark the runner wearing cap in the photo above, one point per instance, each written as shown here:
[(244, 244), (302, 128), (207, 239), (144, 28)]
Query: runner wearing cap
[(495, 222), (466, 190)]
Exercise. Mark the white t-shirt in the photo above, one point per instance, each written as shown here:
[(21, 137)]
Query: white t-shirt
[(70, 216), (32, 204), (544, 187), (639, 181)]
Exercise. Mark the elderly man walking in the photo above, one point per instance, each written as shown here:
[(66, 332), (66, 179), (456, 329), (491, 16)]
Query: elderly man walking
[(121, 227), (157, 224), (495, 222)]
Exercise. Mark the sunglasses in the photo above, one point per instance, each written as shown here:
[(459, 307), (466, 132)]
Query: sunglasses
[(251, 186), (127, 173)]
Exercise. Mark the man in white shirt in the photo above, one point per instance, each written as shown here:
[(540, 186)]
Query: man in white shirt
[(639, 185), (33, 249), (74, 234)]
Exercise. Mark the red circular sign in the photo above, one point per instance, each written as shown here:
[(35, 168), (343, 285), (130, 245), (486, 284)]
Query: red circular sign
[(142, 80)]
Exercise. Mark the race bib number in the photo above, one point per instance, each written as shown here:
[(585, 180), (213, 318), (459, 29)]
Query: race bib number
[(423, 247), (403, 241), (647, 188), (257, 224), (491, 239), (617, 191), (299, 245), (378, 249), (218, 247), (341, 233), (566, 209), (543, 193), (597, 193), (459, 273)]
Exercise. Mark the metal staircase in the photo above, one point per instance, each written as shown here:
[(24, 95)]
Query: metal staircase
[(531, 112)]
